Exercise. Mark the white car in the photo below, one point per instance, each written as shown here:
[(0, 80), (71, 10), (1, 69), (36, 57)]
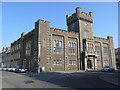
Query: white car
[(20, 69), (10, 68), (4, 68), (13, 69)]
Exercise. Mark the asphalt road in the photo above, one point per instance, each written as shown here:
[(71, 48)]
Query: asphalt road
[(55, 80)]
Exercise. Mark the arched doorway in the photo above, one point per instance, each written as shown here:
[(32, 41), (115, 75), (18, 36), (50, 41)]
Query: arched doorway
[(89, 64)]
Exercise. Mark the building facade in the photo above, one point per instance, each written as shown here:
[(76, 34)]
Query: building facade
[(56, 49), (117, 55), (6, 56)]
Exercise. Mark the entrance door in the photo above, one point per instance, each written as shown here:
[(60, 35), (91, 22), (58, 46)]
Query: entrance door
[(89, 64)]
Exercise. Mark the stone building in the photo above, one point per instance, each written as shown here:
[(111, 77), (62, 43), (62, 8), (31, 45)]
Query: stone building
[(6, 56), (56, 49), (117, 55)]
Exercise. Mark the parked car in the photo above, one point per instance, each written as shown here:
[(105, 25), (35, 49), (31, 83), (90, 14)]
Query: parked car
[(108, 69), (8, 68), (118, 67), (13, 68), (20, 69), (4, 68)]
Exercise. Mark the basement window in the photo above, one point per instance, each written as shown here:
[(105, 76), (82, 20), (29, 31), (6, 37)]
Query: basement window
[(72, 62)]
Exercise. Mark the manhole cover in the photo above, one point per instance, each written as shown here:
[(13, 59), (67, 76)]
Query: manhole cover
[(27, 82)]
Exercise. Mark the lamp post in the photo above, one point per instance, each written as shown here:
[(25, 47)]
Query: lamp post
[(39, 58)]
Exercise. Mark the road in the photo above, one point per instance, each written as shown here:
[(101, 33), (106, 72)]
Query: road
[(55, 80)]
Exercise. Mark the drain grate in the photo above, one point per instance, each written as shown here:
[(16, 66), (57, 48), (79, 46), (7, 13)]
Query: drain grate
[(28, 82)]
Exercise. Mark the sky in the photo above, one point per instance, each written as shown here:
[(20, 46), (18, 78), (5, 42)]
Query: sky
[(18, 17), (119, 25)]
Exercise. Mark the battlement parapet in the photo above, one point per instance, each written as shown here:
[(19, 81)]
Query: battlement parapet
[(42, 21), (109, 37), (62, 31), (100, 38), (79, 15), (86, 16), (65, 31), (56, 29), (51, 28)]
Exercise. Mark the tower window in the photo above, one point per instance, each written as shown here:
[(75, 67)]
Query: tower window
[(90, 47), (86, 33)]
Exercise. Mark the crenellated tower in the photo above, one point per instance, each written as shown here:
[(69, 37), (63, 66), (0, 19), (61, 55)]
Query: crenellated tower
[(81, 22)]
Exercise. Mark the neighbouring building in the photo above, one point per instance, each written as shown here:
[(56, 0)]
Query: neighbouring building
[(56, 49), (6, 56), (117, 55), (0, 58)]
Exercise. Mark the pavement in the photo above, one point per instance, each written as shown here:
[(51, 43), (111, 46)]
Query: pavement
[(59, 79)]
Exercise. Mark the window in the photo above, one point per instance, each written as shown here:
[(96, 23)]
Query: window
[(97, 49), (98, 62), (72, 62), (60, 43), (90, 47), (19, 45), (118, 51), (57, 62), (105, 51), (54, 43), (86, 33), (72, 47), (28, 48), (19, 55), (13, 48), (106, 62), (57, 46)]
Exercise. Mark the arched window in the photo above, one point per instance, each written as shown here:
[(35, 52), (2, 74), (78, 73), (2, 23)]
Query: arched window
[(86, 33)]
